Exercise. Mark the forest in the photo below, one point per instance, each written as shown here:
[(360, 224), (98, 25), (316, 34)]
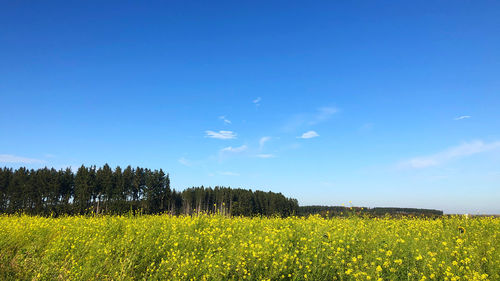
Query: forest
[(331, 211), (103, 190)]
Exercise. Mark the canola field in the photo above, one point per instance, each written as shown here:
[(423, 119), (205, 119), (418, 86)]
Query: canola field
[(212, 247)]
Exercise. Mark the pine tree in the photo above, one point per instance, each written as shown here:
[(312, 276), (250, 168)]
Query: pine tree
[(5, 177), (118, 191), (128, 180), (66, 191), (83, 193)]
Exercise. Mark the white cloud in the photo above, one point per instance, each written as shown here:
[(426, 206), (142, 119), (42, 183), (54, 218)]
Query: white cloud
[(184, 162), (234, 149), (9, 158), (229, 174), (302, 120), (257, 101), (265, 155), (262, 141), (226, 121), (462, 117), (222, 135), (323, 113), (309, 135), (465, 149)]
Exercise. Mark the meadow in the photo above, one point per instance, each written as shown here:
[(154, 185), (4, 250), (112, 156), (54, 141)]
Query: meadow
[(215, 247)]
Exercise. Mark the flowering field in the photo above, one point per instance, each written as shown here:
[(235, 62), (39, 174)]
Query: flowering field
[(221, 248)]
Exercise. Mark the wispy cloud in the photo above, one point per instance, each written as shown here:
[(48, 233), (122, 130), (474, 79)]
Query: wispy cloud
[(184, 162), (463, 150), (322, 114), (234, 149), (309, 135), (226, 121), (265, 156), (9, 158), (463, 117), (222, 135), (229, 174), (262, 141), (257, 101)]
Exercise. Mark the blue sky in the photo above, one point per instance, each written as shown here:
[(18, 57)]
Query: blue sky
[(382, 103)]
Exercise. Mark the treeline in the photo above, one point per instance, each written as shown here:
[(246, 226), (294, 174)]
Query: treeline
[(104, 190), (237, 202), (330, 211)]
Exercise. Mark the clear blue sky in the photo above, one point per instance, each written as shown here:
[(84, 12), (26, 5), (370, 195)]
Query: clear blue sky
[(382, 103)]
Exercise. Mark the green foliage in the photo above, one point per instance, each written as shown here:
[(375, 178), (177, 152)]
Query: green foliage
[(103, 190)]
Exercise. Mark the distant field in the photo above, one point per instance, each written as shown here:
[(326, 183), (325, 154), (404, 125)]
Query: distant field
[(222, 248)]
